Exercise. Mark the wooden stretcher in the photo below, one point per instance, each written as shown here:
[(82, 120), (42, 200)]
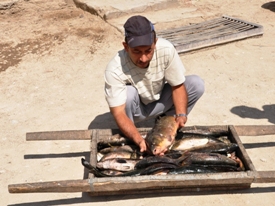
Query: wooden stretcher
[(152, 183)]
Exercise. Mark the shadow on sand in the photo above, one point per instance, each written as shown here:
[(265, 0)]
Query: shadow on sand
[(106, 121), (269, 5), (268, 112), (86, 198)]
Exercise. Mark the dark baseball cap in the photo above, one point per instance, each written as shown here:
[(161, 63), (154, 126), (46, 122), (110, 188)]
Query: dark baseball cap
[(139, 31)]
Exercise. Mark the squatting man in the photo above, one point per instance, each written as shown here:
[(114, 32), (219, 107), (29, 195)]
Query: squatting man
[(147, 79)]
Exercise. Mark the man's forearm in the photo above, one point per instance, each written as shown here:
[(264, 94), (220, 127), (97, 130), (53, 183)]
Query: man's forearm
[(126, 126), (180, 99)]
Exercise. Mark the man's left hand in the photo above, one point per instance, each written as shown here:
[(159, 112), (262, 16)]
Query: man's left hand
[(181, 121)]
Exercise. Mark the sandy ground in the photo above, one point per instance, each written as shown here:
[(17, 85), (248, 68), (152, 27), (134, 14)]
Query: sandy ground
[(52, 60)]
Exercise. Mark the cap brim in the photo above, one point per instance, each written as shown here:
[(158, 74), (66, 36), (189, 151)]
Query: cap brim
[(145, 40)]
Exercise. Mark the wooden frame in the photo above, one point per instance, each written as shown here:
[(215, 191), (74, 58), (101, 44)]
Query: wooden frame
[(151, 183)]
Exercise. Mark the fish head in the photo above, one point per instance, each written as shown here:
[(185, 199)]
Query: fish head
[(158, 146)]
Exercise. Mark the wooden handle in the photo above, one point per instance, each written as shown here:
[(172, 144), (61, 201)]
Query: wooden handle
[(54, 186), (264, 177), (60, 135), (255, 130)]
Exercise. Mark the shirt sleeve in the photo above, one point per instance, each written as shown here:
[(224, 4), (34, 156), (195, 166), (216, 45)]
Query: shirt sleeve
[(115, 90), (174, 73)]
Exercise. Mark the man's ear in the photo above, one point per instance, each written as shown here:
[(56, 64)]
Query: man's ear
[(156, 40), (125, 45)]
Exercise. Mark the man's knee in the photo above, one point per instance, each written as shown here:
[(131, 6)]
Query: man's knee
[(196, 84)]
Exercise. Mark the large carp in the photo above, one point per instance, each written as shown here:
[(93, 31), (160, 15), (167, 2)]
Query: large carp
[(162, 136)]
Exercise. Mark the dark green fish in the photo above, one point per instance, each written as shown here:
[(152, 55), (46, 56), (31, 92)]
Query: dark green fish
[(214, 132), (150, 160), (208, 159), (157, 167), (191, 169)]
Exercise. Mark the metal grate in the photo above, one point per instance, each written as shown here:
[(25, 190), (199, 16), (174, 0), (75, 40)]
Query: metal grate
[(209, 33)]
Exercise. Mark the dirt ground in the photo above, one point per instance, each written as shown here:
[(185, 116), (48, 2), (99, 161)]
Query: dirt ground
[(52, 60)]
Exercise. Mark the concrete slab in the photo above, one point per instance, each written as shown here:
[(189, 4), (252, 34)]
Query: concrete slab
[(109, 9), (164, 14)]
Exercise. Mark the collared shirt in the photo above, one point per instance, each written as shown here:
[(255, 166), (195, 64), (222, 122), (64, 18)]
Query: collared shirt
[(165, 66)]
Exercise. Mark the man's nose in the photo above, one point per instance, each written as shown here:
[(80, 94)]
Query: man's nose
[(143, 58)]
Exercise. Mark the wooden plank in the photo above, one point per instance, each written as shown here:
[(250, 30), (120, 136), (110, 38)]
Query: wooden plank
[(264, 177), (53, 186), (149, 182), (181, 191), (59, 135), (255, 130), (241, 152)]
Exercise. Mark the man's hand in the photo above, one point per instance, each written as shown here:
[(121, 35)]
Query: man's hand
[(181, 121), (143, 146), (128, 128)]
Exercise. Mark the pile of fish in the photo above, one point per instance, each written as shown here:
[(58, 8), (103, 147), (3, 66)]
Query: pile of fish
[(185, 152)]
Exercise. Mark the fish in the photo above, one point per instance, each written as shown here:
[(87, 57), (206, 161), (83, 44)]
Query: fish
[(150, 160), (99, 173), (208, 159), (114, 140), (92, 169), (157, 168), (117, 164), (122, 154), (241, 166), (123, 148), (203, 144), (162, 135), (191, 169), (214, 132)]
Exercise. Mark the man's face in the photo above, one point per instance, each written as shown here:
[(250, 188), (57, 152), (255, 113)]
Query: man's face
[(140, 55)]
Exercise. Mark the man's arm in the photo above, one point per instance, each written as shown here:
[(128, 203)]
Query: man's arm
[(127, 127), (180, 99)]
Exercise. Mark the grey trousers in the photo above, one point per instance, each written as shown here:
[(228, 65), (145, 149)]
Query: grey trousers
[(137, 111)]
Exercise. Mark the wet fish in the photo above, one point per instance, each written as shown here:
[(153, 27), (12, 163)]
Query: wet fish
[(241, 166), (214, 132), (203, 144), (191, 169), (99, 173), (123, 148), (162, 136), (208, 159), (157, 168), (114, 140), (117, 164), (122, 154), (92, 169), (150, 160)]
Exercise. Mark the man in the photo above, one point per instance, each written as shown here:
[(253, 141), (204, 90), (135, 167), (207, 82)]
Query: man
[(146, 79)]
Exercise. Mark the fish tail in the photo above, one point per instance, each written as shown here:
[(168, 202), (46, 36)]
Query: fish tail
[(92, 169)]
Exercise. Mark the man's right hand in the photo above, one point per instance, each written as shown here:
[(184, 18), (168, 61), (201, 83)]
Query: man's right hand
[(143, 146), (128, 128)]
